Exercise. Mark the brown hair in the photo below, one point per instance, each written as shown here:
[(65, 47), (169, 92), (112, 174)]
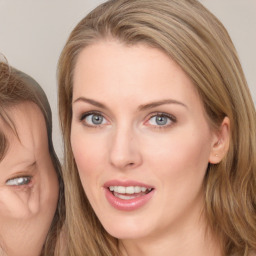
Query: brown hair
[(194, 38), (17, 87)]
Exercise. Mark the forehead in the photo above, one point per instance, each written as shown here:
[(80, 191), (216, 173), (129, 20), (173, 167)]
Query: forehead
[(106, 67), (30, 126)]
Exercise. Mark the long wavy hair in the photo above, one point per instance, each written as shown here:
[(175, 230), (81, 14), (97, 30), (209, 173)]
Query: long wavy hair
[(17, 87), (196, 40)]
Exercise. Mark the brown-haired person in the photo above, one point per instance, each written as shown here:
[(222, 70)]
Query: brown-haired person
[(31, 188), (160, 134)]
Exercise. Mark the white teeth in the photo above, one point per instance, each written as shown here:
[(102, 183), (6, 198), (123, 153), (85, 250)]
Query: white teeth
[(124, 197), (120, 190), (137, 189), (143, 189), (128, 190)]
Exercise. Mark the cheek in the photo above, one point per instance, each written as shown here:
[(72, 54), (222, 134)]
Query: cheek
[(11, 207), (88, 154), (178, 165), (180, 155)]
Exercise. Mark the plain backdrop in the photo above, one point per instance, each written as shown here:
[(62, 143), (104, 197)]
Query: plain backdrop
[(33, 33)]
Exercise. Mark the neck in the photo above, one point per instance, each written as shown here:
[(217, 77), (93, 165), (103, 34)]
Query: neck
[(191, 238), (187, 246)]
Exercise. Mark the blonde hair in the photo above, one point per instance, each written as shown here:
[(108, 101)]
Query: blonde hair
[(198, 42), (17, 87)]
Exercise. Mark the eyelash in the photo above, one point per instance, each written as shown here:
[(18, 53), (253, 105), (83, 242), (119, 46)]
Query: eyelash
[(172, 119), (85, 115), (25, 180)]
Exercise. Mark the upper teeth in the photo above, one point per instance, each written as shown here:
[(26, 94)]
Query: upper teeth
[(128, 190)]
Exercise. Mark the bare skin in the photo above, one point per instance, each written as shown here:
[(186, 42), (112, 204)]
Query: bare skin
[(28, 184), (137, 119)]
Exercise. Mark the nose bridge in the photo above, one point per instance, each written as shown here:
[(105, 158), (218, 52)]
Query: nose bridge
[(124, 150)]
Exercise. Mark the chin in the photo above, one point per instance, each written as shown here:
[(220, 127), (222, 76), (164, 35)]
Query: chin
[(128, 229), (125, 234)]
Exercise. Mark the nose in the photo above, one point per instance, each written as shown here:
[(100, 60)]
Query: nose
[(125, 151)]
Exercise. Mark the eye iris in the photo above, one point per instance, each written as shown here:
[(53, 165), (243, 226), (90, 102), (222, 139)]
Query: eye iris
[(161, 120), (97, 119), (23, 180)]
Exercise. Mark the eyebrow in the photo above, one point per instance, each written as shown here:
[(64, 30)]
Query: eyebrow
[(90, 101), (27, 165), (159, 103), (31, 165), (22, 168), (141, 107)]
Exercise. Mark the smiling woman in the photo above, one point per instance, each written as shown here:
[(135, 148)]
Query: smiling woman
[(30, 177), (159, 130)]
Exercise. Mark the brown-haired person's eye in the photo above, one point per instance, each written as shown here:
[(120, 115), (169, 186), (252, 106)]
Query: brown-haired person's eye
[(19, 181)]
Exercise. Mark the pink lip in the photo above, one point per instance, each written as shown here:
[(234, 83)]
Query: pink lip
[(131, 204)]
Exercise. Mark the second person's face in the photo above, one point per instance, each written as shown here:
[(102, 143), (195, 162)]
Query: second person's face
[(28, 183), (140, 139)]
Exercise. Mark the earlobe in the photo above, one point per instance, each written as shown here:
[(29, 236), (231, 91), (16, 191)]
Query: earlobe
[(220, 143)]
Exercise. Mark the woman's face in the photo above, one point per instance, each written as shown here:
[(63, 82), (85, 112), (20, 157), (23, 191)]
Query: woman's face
[(140, 139), (28, 183)]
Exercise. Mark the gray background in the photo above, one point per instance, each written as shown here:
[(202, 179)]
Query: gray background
[(33, 32)]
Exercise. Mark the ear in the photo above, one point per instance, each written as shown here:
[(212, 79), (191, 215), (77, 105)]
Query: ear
[(220, 143)]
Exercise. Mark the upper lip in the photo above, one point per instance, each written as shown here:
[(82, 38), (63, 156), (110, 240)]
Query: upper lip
[(126, 183)]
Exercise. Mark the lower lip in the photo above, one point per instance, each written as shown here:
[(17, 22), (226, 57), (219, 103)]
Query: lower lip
[(128, 205)]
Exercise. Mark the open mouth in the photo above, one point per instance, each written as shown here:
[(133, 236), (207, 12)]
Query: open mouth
[(130, 192)]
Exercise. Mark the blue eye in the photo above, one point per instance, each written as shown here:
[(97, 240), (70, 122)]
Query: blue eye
[(94, 119), (161, 120), (19, 181)]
